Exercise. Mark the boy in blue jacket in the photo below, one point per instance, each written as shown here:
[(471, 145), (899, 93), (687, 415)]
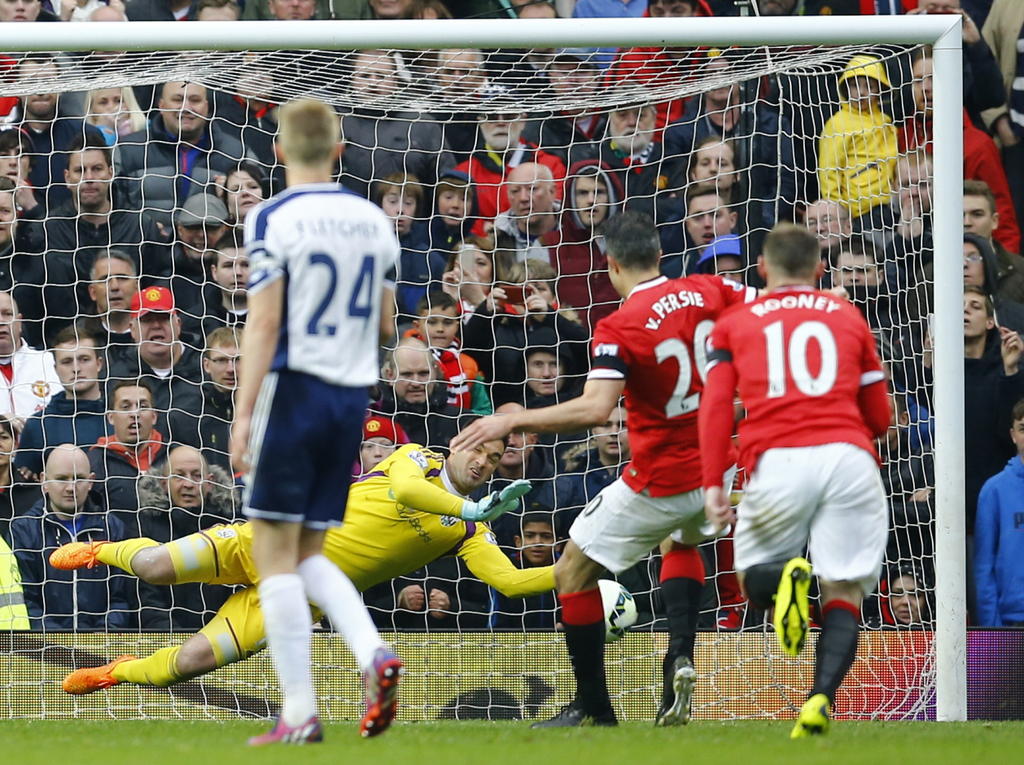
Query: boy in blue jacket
[(999, 539)]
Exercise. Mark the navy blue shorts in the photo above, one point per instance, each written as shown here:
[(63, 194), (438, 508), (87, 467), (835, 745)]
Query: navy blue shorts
[(304, 440)]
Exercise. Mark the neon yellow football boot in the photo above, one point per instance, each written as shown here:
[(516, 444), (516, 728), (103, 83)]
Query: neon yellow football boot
[(814, 718), (792, 608)]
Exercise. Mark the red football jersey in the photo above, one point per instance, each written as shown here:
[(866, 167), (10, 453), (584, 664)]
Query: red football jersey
[(800, 358), (651, 342)]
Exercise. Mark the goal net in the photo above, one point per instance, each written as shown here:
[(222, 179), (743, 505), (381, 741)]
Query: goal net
[(499, 167)]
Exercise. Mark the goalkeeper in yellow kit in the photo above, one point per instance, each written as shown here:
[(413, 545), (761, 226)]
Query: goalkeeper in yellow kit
[(410, 510)]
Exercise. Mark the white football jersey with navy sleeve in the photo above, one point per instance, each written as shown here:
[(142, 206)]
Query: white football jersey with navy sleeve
[(335, 250)]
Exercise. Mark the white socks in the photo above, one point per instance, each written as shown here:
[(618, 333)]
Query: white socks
[(333, 592), (287, 621)]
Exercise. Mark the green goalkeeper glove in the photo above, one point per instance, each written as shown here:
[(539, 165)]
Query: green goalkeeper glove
[(496, 503)]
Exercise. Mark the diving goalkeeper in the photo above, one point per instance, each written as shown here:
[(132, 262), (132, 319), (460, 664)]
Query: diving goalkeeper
[(410, 510)]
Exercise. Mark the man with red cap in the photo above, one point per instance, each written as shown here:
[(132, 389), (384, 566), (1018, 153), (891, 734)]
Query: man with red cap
[(171, 368), (381, 436)]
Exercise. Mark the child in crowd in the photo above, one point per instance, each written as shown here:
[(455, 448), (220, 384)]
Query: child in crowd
[(455, 213), (381, 436), (438, 325), (858, 147), (999, 539), (399, 195)]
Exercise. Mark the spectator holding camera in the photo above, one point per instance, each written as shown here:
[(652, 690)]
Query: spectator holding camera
[(994, 382), (470, 273), (504, 325)]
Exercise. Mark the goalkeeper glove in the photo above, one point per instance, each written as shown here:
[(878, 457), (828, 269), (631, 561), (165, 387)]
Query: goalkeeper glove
[(496, 503)]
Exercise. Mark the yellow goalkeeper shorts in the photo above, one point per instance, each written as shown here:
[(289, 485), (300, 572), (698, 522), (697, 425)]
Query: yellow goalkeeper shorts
[(236, 631)]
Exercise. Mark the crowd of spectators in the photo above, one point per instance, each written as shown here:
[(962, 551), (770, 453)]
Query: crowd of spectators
[(123, 278)]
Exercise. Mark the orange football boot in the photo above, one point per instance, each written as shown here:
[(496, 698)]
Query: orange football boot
[(92, 679), (75, 555)]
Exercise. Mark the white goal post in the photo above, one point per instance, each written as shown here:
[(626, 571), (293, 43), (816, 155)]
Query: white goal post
[(940, 31)]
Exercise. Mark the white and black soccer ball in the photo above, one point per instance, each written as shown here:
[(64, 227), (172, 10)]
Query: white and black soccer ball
[(619, 609)]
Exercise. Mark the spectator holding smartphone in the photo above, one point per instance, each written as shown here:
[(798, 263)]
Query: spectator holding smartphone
[(506, 323)]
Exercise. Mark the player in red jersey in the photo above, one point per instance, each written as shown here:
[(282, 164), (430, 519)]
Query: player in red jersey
[(805, 365), (653, 349)]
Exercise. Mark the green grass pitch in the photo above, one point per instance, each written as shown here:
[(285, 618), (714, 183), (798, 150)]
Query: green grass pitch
[(71, 742)]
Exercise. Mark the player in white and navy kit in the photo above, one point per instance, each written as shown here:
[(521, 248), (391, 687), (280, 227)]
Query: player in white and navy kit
[(320, 301)]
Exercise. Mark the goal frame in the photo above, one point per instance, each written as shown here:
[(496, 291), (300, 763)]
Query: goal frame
[(942, 32)]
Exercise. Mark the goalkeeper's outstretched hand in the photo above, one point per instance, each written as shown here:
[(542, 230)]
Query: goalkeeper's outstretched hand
[(496, 503)]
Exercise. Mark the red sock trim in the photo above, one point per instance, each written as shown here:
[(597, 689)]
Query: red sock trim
[(844, 605), (582, 608), (683, 564)]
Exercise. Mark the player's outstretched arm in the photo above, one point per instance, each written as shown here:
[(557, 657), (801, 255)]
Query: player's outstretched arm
[(410, 487), (491, 566), (588, 410)]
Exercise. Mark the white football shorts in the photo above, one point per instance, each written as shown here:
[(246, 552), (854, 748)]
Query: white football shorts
[(827, 499), (619, 526)]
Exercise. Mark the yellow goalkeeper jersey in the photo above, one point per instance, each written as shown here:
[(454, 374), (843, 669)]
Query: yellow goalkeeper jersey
[(387, 533)]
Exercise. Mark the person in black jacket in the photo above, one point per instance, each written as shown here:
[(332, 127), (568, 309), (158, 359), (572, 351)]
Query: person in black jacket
[(69, 600), (113, 283), (981, 269), (416, 397), (653, 181), (170, 368), (510, 320), (76, 415), (207, 427), (225, 296), (202, 222), (588, 471), (993, 383), (179, 152), (251, 118), (91, 222), (51, 133)]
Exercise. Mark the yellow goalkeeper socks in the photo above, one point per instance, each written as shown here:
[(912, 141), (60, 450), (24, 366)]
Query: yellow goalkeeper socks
[(120, 554), (157, 669)]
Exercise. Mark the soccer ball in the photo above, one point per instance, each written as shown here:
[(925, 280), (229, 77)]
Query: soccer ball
[(619, 609)]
